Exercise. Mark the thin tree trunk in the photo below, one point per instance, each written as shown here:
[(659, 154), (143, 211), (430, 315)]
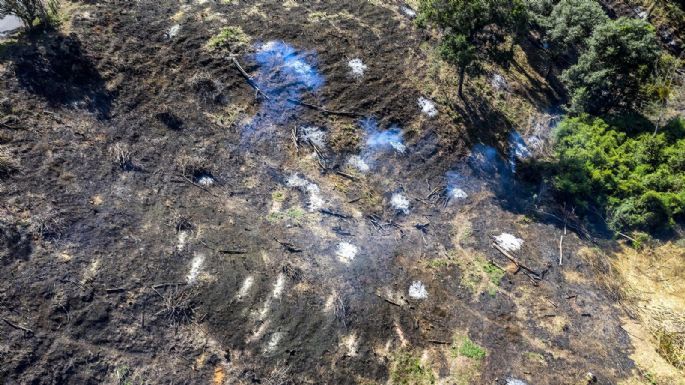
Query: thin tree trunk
[(462, 75)]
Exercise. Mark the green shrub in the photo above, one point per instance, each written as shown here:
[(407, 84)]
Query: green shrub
[(638, 179), (229, 38)]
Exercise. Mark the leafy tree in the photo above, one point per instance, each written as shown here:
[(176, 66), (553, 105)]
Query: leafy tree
[(464, 20), (28, 11), (638, 180), (571, 22), (619, 60)]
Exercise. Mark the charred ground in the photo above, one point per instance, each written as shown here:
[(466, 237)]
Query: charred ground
[(162, 223)]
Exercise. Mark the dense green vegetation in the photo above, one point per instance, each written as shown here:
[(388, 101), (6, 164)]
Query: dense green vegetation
[(638, 177), (633, 176), (618, 62)]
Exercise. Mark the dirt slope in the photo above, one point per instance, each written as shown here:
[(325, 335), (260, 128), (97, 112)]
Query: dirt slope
[(166, 224)]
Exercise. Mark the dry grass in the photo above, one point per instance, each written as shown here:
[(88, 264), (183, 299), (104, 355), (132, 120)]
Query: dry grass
[(650, 284)]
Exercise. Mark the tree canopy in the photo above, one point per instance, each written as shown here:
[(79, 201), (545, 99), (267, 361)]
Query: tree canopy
[(619, 60), (571, 23)]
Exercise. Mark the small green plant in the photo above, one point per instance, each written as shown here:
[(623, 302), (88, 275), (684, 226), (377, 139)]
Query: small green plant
[(438, 263), (295, 213), (650, 377), (278, 196), (640, 240), (493, 272), (230, 38), (274, 217), (407, 370), (466, 348), (535, 357)]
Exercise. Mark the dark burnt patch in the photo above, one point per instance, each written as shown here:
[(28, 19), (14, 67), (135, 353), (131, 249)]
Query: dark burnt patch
[(58, 69)]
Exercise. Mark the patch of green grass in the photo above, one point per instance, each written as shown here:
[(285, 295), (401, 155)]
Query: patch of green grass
[(407, 370), (229, 38), (295, 213), (534, 357), (438, 263), (493, 272), (466, 348), (278, 196), (274, 217), (650, 378)]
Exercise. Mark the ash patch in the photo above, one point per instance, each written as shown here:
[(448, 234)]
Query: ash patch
[(346, 252), (357, 68), (400, 202), (417, 290), (509, 242), (427, 106), (316, 200)]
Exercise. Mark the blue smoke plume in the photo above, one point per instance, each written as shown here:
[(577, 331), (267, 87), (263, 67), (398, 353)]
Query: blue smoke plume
[(285, 75), (377, 140)]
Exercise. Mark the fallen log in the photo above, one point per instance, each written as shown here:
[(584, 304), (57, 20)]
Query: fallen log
[(18, 327), (323, 109), (516, 262), (249, 78), (334, 214), (289, 246)]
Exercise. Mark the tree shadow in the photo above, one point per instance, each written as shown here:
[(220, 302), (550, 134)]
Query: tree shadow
[(56, 68), (546, 66)]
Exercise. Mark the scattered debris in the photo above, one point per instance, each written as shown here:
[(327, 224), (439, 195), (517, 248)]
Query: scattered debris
[(532, 274), (417, 290), (334, 213), (18, 327), (289, 246)]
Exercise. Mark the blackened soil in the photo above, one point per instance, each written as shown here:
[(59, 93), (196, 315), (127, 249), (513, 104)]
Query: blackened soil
[(153, 233)]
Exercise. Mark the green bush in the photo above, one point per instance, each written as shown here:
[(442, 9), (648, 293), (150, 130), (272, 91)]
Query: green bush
[(638, 179)]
